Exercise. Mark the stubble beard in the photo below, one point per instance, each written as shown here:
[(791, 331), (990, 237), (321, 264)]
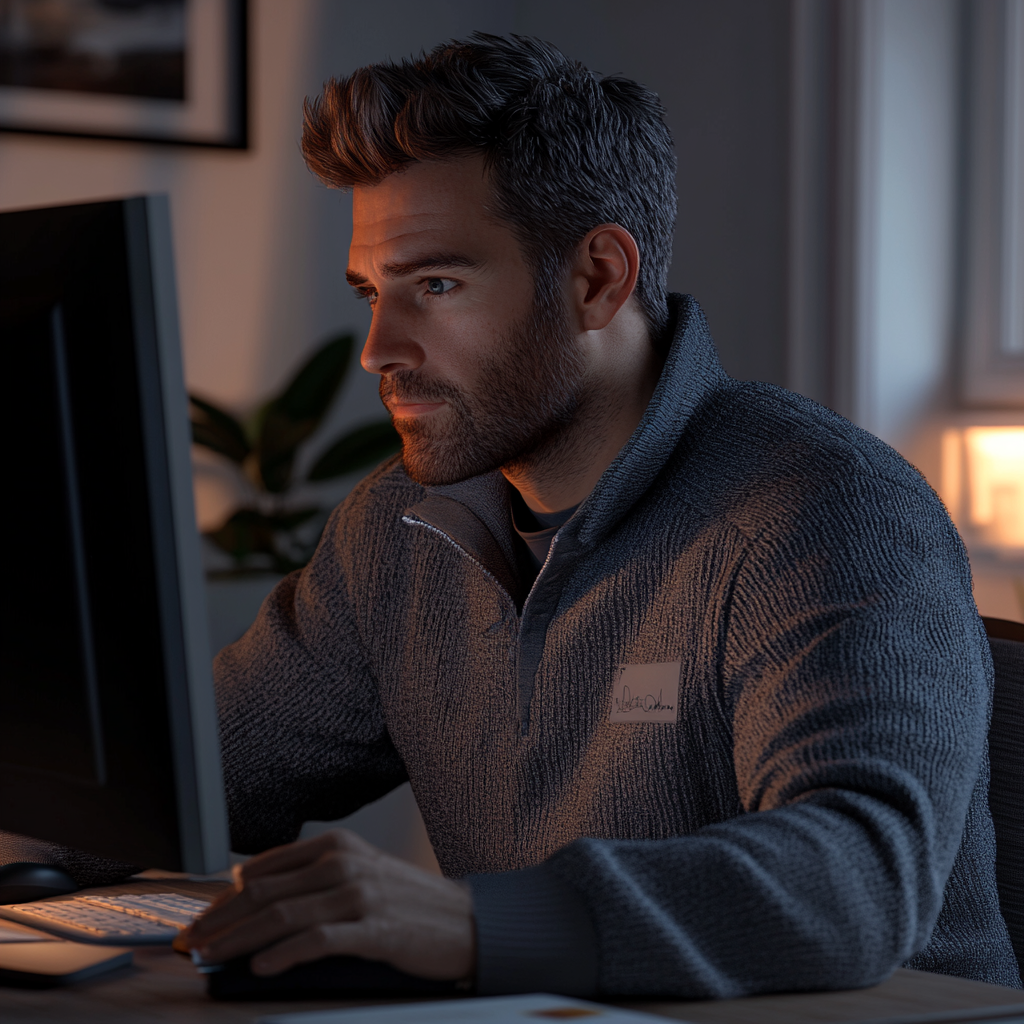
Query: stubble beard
[(525, 398)]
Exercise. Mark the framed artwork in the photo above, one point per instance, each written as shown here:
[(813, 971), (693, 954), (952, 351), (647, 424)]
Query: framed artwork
[(171, 71)]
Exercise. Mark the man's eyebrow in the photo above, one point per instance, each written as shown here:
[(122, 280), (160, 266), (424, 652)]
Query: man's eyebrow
[(429, 261)]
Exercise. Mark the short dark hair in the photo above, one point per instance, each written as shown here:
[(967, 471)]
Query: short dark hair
[(566, 150)]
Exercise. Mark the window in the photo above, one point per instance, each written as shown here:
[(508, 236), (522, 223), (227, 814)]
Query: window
[(992, 325)]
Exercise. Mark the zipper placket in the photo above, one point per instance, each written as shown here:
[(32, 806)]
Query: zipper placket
[(524, 713), (540, 571)]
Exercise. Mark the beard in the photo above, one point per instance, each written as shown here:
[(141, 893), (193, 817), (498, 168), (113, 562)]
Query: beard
[(525, 396)]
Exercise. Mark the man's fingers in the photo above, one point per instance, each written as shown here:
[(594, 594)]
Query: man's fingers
[(441, 949), (235, 903), (296, 855), (282, 919), (280, 858), (329, 939), (183, 940), (329, 871), (235, 906)]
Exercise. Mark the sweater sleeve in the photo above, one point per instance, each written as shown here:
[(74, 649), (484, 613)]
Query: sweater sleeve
[(301, 726), (856, 676)]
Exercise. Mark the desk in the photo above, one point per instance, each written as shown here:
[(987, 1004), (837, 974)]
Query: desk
[(164, 987)]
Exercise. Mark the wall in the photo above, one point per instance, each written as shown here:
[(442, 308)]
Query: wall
[(721, 69), (908, 266), (910, 218)]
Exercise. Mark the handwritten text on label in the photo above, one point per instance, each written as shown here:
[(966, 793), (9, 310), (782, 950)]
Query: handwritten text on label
[(646, 693)]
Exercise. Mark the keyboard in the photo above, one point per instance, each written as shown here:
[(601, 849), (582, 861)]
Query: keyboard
[(148, 919)]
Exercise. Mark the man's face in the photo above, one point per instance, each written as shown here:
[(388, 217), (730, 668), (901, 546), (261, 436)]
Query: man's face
[(475, 374)]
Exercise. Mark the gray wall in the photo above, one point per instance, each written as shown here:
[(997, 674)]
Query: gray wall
[(721, 69)]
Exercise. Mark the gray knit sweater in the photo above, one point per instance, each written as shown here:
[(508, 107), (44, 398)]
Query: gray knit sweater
[(770, 795)]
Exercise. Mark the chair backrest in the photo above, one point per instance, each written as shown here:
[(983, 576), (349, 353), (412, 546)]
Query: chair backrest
[(1006, 792)]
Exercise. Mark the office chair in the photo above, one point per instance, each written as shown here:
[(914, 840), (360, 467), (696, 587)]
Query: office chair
[(1006, 791)]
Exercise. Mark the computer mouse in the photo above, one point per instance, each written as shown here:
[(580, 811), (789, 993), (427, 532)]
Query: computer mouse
[(21, 882)]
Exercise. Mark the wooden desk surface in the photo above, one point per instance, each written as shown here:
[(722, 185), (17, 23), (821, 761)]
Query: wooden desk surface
[(164, 987)]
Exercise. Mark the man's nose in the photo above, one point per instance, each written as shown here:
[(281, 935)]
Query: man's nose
[(389, 345)]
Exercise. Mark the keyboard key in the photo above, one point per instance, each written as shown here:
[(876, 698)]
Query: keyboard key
[(101, 922), (165, 908), (135, 919)]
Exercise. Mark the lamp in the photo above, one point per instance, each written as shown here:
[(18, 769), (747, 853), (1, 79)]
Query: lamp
[(983, 486)]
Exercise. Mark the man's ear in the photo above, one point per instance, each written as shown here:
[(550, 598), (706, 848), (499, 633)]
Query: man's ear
[(604, 275)]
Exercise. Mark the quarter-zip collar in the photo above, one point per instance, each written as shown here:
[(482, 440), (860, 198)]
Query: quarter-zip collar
[(691, 373), (465, 528), (475, 514)]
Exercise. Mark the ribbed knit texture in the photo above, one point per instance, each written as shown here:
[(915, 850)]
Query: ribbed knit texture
[(533, 934), (84, 868), (1006, 793), (794, 829)]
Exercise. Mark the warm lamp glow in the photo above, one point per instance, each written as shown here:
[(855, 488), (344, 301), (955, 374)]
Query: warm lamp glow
[(995, 459), (983, 483)]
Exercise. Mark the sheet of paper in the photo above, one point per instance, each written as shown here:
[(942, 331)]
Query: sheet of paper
[(531, 1009), (11, 932)]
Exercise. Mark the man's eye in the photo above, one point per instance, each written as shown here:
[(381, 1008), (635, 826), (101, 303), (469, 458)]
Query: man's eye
[(440, 285)]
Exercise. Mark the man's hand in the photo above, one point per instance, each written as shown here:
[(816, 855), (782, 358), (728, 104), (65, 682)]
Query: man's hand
[(337, 894)]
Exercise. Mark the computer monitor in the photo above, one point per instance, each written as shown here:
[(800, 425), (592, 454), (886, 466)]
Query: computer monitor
[(108, 732)]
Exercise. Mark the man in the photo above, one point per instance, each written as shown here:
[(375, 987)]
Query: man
[(685, 673)]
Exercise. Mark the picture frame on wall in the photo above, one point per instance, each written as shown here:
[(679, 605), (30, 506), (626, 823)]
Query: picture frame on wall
[(165, 71)]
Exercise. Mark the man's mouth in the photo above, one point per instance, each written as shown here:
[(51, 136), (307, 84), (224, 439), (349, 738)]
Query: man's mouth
[(405, 409)]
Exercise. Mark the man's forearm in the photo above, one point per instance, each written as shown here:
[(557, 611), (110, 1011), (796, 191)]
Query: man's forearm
[(804, 897)]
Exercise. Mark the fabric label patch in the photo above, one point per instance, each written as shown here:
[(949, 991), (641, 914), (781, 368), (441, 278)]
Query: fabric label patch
[(646, 693)]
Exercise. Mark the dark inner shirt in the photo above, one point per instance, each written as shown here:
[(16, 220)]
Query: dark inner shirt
[(537, 528)]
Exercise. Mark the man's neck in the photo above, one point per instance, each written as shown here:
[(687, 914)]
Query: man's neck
[(567, 468)]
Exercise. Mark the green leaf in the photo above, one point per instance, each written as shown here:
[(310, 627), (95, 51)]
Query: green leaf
[(290, 520), (364, 447), (247, 532), (296, 413), (217, 430), (313, 388)]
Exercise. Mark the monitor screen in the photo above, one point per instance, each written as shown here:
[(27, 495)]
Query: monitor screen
[(108, 724)]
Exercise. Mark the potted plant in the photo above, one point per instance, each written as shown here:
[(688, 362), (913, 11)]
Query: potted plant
[(273, 530)]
